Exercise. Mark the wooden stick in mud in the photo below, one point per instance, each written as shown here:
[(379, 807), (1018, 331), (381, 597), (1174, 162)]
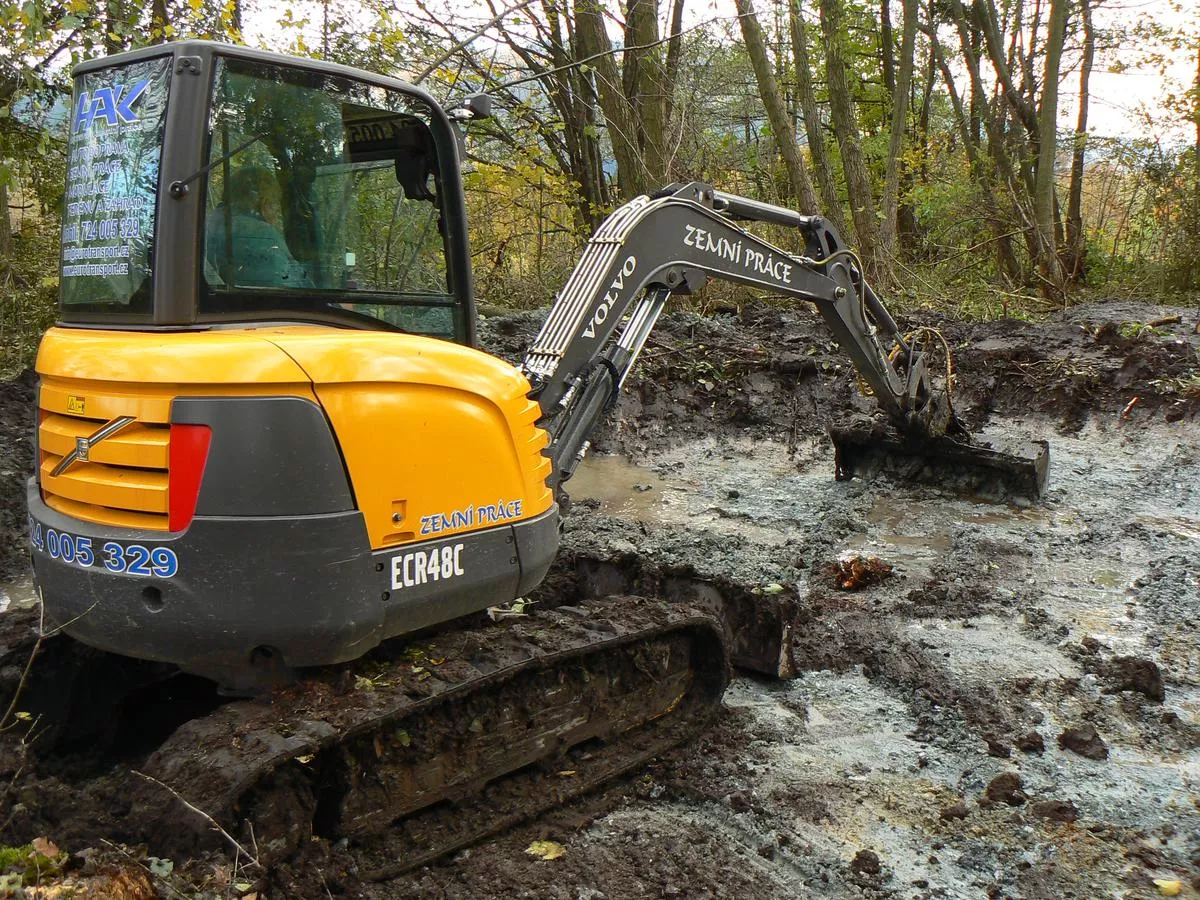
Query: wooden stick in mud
[(211, 821)]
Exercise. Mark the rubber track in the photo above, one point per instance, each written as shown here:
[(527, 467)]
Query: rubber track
[(279, 764)]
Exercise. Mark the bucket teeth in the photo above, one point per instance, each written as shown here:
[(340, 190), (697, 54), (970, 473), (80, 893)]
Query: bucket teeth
[(1013, 474)]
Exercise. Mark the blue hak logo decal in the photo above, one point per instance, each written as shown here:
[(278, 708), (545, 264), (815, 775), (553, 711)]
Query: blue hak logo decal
[(111, 105)]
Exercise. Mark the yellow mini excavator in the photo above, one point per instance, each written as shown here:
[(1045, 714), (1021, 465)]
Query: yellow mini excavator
[(266, 443)]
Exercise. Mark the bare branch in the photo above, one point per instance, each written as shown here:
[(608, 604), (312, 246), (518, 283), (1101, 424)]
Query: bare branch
[(618, 50), (461, 45), (253, 860)]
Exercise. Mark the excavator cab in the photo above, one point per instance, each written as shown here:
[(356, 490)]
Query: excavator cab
[(213, 184)]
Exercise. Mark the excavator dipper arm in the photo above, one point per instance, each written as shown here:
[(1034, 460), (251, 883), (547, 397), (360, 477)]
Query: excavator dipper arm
[(655, 246)]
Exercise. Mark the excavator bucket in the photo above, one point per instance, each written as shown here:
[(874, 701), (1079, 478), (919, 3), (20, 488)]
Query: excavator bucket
[(1015, 473)]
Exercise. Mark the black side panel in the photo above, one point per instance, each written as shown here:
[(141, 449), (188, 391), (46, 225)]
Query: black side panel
[(537, 545), (308, 587), (436, 581), (304, 586), (270, 456)]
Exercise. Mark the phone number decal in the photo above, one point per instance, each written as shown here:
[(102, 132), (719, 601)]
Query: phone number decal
[(115, 557)]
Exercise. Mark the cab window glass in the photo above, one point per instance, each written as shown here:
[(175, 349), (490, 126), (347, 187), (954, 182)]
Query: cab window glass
[(323, 200)]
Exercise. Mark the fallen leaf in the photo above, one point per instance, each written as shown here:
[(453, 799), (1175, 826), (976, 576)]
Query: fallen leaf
[(159, 868), (1169, 887), (856, 571), (546, 850), (567, 773), (45, 846), (772, 588)]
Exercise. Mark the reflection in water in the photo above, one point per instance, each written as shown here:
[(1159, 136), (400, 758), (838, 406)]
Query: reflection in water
[(623, 488)]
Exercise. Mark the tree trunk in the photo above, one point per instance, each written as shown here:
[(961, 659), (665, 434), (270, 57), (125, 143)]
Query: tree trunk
[(845, 126), (891, 189), (1009, 190), (1194, 274), (984, 178), (576, 146), (160, 22), (985, 17), (1043, 195), (572, 95), (1075, 242), (777, 116), (5, 225), (644, 79), (618, 114), (970, 39), (674, 54), (887, 49), (812, 119), (325, 29), (112, 38), (908, 231)]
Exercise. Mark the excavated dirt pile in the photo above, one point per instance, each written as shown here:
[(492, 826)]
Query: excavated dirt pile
[(989, 700)]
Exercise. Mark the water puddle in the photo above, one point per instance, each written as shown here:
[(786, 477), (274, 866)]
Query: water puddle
[(623, 488), (893, 519), (700, 488)]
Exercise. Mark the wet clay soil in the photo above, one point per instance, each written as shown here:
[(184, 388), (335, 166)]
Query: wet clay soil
[(1012, 710)]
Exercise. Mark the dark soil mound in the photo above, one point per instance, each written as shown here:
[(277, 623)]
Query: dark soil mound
[(776, 371)]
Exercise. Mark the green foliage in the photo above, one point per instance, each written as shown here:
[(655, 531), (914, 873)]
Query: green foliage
[(1186, 386), (33, 188), (11, 857), (28, 296), (1135, 331), (528, 206), (26, 865)]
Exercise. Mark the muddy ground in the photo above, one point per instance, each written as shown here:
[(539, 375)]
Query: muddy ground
[(1013, 710)]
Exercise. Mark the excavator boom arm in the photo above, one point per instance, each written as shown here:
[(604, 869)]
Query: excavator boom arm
[(654, 246)]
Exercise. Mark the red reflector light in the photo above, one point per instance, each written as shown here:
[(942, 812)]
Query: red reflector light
[(186, 458)]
